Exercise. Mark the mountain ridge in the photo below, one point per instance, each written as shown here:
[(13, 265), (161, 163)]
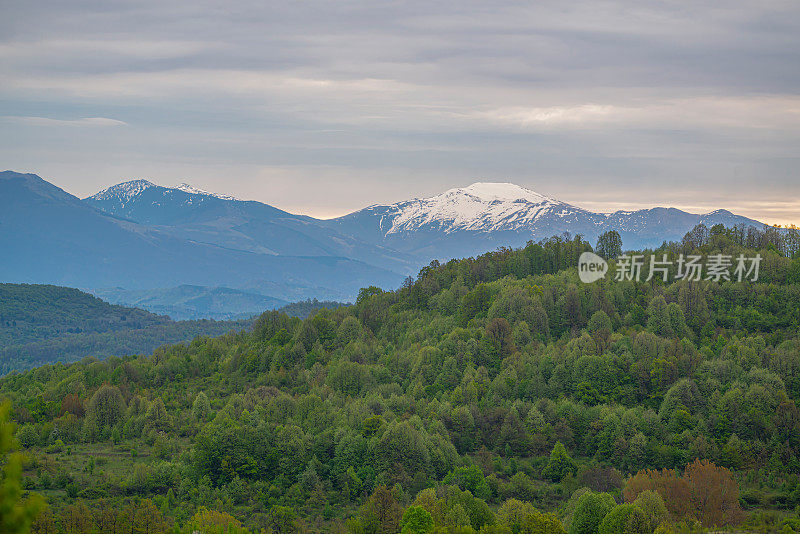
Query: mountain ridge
[(405, 235), (484, 215), (140, 236), (481, 207), (190, 302), (190, 213), (50, 236)]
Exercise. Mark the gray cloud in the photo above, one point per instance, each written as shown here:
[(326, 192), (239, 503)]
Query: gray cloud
[(45, 121), (324, 107)]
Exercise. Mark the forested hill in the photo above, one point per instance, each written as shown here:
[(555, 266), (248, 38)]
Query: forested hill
[(43, 324), (30, 312), (496, 394)]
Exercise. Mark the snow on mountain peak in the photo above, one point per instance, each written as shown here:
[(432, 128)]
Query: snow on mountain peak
[(124, 191), (489, 191), (186, 188), (482, 206)]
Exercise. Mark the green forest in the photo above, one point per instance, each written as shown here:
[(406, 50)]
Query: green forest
[(304, 308), (42, 324), (495, 394)]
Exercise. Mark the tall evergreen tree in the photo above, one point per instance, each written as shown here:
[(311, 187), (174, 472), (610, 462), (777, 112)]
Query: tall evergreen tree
[(560, 463)]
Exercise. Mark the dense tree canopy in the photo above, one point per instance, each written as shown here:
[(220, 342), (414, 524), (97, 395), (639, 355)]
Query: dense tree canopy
[(43, 324), (492, 394)]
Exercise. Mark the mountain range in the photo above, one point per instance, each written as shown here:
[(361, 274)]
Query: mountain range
[(483, 216), (160, 247), (50, 236), (187, 302)]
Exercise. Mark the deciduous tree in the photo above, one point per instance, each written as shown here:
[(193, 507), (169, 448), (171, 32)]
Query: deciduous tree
[(714, 494), (416, 520), (625, 519), (589, 512), (106, 406), (201, 408), (609, 244)]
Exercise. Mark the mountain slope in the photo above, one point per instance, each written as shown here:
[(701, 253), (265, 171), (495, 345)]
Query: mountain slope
[(190, 213), (50, 236), (36, 312), (194, 302), (470, 220), (41, 324)]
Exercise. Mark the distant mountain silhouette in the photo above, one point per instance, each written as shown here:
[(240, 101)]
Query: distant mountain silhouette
[(50, 236), (192, 253), (483, 216)]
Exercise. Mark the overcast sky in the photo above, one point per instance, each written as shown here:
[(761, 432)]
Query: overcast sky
[(325, 107)]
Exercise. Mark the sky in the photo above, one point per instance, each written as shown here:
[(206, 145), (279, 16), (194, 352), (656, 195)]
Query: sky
[(324, 107)]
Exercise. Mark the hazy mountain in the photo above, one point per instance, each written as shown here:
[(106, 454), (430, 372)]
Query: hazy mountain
[(400, 237), (189, 253), (191, 213), (471, 220), (194, 302), (50, 236)]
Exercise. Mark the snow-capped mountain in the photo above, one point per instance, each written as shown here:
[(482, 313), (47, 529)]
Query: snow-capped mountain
[(140, 236), (121, 194), (145, 202), (402, 236), (470, 220), (192, 190), (480, 207)]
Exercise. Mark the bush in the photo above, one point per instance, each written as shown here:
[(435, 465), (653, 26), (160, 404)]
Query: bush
[(91, 493), (28, 436), (58, 446), (520, 486)]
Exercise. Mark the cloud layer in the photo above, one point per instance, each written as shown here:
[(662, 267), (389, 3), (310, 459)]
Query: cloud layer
[(324, 107)]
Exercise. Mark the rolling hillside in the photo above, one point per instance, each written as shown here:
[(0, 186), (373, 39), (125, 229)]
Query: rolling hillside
[(45, 324), (493, 395)]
